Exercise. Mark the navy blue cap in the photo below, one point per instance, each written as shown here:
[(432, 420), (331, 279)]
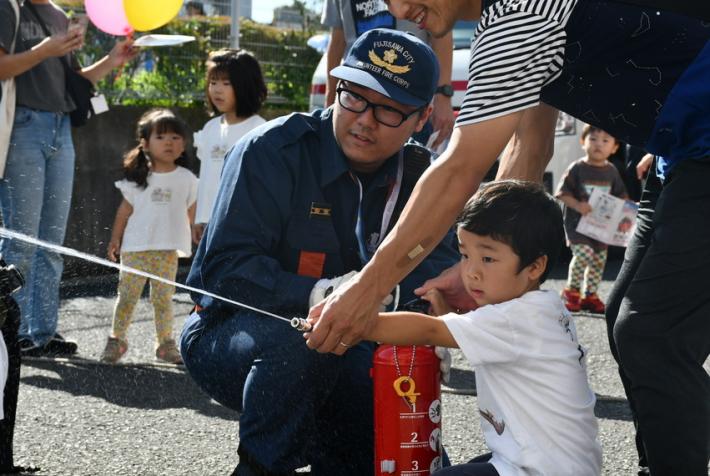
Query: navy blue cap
[(396, 64)]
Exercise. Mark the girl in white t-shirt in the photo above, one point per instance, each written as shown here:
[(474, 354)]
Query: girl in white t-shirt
[(152, 228), (235, 89)]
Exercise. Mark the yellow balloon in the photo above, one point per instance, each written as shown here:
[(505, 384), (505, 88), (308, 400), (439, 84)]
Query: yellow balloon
[(144, 15)]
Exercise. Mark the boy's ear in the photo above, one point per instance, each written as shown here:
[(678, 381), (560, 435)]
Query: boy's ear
[(537, 268)]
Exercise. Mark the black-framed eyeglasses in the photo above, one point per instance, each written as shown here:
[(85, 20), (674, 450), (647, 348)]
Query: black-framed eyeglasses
[(386, 115)]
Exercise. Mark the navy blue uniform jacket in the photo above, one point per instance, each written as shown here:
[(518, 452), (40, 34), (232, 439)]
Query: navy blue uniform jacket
[(285, 217)]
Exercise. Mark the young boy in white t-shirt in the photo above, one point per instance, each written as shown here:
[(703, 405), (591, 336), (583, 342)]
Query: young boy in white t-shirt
[(536, 406)]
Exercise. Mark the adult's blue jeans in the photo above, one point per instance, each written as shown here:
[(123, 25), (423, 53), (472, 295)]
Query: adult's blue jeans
[(35, 196), (297, 407)]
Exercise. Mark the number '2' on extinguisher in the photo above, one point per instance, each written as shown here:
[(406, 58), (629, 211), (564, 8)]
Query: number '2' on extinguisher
[(407, 393)]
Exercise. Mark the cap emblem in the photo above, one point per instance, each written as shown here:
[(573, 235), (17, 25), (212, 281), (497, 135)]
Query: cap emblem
[(386, 62)]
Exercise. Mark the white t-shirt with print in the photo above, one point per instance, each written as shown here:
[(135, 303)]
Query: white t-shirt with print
[(534, 399), (212, 143), (159, 220)]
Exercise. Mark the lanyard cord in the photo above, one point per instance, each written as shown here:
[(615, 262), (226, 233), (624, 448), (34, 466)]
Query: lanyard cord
[(386, 214)]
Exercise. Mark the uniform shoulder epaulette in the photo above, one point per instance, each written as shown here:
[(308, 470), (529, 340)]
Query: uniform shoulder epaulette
[(289, 129)]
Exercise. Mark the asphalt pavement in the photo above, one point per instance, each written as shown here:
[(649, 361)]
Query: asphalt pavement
[(140, 417)]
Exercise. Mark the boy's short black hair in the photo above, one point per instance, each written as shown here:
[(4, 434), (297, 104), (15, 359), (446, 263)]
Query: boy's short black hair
[(520, 214), (588, 129)]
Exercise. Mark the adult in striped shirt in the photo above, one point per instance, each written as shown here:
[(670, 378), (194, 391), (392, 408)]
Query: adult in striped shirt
[(643, 74)]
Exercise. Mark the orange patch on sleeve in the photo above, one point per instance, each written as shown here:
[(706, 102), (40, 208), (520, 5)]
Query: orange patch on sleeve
[(311, 264)]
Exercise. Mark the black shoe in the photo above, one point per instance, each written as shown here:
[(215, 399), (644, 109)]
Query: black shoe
[(29, 348), (19, 470), (58, 346)]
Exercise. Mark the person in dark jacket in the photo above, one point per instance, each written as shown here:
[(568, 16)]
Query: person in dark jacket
[(304, 201)]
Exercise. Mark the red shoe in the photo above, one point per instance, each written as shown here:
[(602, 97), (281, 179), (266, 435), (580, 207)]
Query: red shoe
[(570, 296), (593, 304)]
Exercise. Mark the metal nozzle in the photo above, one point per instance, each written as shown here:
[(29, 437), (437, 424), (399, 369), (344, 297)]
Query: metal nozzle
[(301, 324)]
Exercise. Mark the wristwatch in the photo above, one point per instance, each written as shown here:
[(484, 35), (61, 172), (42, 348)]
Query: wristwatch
[(445, 90)]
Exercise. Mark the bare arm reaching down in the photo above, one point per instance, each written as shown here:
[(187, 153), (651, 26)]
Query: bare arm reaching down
[(434, 204), (125, 210)]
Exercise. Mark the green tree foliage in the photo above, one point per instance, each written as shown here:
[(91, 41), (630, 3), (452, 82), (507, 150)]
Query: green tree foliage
[(175, 76)]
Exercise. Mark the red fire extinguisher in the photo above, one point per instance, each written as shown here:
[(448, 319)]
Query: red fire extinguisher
[(407, 396)]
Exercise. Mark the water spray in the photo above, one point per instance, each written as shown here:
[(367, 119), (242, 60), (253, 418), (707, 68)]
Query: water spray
[(297, 323)]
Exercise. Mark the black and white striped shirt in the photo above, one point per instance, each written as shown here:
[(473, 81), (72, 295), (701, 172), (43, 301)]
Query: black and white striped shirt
[(518, 48)]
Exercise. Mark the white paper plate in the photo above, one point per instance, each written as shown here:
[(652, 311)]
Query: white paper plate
[(162, 40)]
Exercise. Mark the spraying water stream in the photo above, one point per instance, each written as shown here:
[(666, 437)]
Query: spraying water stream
[(298, 323)]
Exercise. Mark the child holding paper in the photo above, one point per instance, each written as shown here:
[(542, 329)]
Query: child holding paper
[(588, 255)]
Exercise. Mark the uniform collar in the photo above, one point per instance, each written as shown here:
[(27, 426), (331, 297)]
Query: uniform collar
[(334, 163)]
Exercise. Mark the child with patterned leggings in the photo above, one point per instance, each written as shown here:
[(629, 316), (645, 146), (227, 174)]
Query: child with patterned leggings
[(152, 228), (588, 255)]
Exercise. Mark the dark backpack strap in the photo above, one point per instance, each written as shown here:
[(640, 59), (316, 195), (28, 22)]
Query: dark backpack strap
[(416, 160)]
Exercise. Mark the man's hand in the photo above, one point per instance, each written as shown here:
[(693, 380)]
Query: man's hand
[(439, 306), (442, 119), (346, 315), (450, 286)]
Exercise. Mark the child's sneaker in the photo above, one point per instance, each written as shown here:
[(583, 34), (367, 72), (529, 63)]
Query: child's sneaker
[(570, 296), (593, 304), (168, 352), (114, 350)]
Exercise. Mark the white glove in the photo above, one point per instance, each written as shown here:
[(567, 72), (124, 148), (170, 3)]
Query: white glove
[(444, 362), (324, 287), (386, 302)]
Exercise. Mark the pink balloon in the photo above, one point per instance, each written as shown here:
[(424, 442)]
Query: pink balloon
[(108, 16)]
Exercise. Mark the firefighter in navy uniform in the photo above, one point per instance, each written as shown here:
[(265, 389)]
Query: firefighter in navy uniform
[(304, 200)]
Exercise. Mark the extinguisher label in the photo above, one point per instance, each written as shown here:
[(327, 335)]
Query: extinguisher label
[(416, 469), (418, 444), (412, 416), (435, 464), (435, 439), (435, 411)]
